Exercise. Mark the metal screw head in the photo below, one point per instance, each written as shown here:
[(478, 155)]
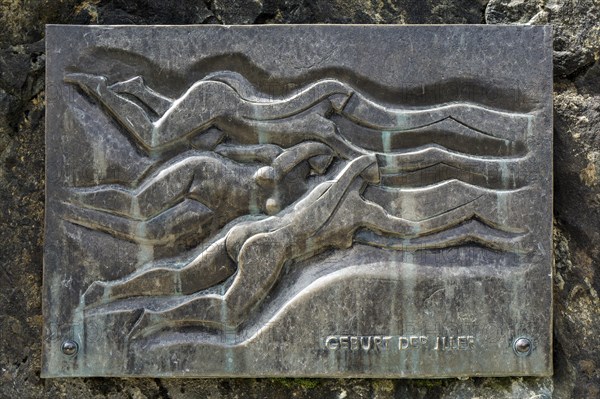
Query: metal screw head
[(70, 347), (522, 346)]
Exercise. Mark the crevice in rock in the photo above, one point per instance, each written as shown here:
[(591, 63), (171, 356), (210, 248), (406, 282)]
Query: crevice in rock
[(163, 392)]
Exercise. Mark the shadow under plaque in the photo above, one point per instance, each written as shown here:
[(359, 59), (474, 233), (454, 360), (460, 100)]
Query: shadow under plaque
[(327, 201)]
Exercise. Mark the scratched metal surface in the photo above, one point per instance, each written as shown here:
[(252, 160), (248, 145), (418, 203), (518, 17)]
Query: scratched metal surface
[(343, 201)]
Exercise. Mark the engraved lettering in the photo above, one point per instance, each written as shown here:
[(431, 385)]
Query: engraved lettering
[(354, 343), (365, 343), (332, 343), (414, 341), (452, 343), (403, 343), (385, 342), (344, 342), (376, 341)]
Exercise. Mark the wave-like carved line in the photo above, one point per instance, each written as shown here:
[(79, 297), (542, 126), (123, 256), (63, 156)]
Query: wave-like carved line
[(459, 185), (433, 154), (442, 171), (215, 103), (449, 133), (422, 203), (472, 231), (370, 114), (174, 81), (363, 111), (444, 219), (360, 109)]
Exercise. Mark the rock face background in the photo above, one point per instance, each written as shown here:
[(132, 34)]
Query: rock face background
[(576, 168)]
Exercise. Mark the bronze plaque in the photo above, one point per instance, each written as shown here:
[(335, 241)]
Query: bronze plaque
[(329, 201)]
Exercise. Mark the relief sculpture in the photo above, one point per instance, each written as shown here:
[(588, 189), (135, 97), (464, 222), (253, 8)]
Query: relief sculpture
[(298, 201), (247, 144)]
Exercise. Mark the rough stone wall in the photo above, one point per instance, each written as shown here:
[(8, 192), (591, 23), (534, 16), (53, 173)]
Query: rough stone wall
[(576, 167)]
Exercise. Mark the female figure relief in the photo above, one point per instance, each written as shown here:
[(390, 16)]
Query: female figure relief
[(257, 155)]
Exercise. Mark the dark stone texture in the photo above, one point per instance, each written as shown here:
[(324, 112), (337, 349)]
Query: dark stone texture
[(576, 31), (577, 193)]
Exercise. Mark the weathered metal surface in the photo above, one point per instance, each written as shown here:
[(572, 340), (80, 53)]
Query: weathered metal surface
[(298, 201)]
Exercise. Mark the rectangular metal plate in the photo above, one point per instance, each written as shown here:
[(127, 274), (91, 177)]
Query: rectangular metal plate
[(369, 201)]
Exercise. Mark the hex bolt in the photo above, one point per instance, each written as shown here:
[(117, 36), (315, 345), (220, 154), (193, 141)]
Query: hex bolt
[(522, 346), (70, 347)]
